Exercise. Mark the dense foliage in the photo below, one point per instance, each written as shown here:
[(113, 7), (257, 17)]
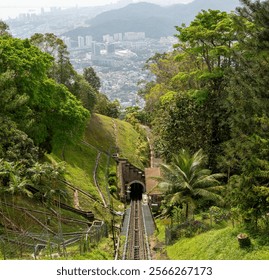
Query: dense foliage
[(186, 182), (211, 92), (38, 112), (40, 106)]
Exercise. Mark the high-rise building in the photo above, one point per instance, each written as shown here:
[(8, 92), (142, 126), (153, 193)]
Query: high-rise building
[(108, 38), (88, 40), (117, 37), (96, 50), (81, 42), (110, 48)]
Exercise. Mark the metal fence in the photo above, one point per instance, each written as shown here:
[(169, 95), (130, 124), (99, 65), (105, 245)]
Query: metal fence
[(27, 245)]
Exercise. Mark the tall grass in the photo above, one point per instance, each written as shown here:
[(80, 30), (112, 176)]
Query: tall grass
[(220, 244)]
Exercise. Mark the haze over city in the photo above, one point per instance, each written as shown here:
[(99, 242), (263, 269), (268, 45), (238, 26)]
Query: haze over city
[(116, 37), (14, 7)]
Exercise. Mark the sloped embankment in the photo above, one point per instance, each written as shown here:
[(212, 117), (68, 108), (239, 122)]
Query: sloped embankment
[(26, 224)]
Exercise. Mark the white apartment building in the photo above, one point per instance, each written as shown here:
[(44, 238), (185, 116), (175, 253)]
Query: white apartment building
[(81, 42), (133, 36), (88, 40)]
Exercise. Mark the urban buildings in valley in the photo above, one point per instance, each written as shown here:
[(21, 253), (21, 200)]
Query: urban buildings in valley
[(118, 58), (119, 61)]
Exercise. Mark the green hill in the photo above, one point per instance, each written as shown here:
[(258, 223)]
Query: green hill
[(156, 21), (103, 137), (218, 244), (60, 226)]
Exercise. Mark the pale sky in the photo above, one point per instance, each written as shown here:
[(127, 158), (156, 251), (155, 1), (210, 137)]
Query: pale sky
[(68, 3), (55, 3), (12, 8)]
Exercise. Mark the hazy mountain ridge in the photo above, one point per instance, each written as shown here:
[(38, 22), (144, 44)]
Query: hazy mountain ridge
[(156, 21)]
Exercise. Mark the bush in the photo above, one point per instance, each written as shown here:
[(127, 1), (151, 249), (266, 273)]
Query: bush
[(218, 214), (112, 189), (187, 229), (112, 181), (112, 174)]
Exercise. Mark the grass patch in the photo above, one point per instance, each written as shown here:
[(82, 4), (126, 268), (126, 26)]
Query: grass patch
[(220, 244), (127, 139), (102, 173), (79, 162), (101, 251), (160, 233), (100, 133)]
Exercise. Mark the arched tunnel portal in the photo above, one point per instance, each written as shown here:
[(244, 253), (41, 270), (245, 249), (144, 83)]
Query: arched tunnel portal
[(136, 189)]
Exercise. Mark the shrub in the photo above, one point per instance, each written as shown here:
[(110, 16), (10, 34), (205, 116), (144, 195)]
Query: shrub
[(189, 228), (218, 214)]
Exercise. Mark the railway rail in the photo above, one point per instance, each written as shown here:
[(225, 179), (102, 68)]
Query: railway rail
[(136, 244)]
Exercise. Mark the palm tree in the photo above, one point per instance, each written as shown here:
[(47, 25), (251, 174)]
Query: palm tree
[(16, 182), (45, 179), (185, 181)]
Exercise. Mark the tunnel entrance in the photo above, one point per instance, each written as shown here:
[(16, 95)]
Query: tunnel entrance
[(136, 191)]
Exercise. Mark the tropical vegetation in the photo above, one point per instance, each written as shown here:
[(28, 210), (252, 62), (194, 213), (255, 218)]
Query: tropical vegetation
[(185, 182), (208, 112), (210, 93)]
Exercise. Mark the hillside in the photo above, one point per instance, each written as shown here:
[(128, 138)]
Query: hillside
[(156, 21), (220, 244), (103, 137), (28, 223)]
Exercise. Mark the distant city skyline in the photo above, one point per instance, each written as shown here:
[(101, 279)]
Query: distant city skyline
[(81, 3), (14, 7)]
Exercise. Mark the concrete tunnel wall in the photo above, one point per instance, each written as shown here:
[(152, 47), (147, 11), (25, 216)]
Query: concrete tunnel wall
[(135, 190)]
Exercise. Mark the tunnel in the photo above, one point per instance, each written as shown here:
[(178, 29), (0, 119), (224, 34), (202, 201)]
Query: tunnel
[(136, 191)]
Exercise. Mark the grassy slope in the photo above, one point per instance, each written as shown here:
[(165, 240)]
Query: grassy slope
[(80, 159), (128, 140), (106, 133), (218, 244), (103, 134), (100, 133)]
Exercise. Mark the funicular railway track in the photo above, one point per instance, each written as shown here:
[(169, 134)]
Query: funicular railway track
[(136, 244)]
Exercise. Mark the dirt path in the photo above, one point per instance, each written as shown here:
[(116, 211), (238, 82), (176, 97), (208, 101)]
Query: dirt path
[(76, 199)]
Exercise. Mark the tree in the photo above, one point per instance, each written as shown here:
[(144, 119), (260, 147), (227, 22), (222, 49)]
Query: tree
[(106, 107), (249, 193), (15, 145), (4, 29), (62, 70), (248, 102), (50, 113), (189, 94), (12, 102), (13, 180), (164, 67), (246, 154), (135, 115), (180, 123), (91, 77), (186, 181), (45, 178), (209, 41), (84, 92)]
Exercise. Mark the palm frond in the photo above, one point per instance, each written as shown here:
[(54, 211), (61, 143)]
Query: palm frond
[(186, 179)]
